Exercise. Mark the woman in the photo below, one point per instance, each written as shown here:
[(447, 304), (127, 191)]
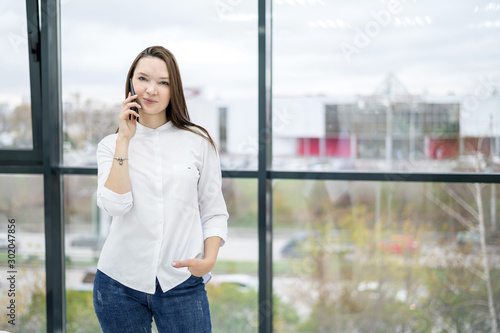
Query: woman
[(159, 178)]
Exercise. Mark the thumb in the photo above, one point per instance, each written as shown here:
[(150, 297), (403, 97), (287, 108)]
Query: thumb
[(181, 263)]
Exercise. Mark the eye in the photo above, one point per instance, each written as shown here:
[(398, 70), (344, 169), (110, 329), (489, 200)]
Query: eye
[(142, 78), (164, 83)]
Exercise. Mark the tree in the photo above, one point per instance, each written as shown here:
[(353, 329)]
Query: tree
[(20, 125), (472, 219), (234, 309)]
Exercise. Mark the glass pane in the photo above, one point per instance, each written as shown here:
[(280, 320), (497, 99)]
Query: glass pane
[(86, 227), (233, 291), (386, 86), (216, 49), (22, 252), (385, 257), (15, 98), (234, 282)]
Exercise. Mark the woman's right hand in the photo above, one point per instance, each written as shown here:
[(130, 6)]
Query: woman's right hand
[(127, 127)]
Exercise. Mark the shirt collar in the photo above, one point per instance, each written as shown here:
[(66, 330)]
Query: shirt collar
[(141, 129)]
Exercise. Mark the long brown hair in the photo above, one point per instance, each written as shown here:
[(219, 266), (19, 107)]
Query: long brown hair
[(176, 109)]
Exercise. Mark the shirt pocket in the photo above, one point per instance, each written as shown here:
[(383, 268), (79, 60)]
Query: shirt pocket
[(185, 183)]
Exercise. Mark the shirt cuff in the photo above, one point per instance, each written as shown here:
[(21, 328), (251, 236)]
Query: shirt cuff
[(212, 232), (116, 198)]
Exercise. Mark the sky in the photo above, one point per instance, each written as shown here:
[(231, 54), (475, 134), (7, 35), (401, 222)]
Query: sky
[(320, 47)]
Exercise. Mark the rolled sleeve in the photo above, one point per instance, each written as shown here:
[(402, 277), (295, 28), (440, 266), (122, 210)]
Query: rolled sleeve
[(213, 208), (112, 203)]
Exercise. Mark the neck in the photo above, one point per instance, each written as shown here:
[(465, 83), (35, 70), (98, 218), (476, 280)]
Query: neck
[(153, 120)]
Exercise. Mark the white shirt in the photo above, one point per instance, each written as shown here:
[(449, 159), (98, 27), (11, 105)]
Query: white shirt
[(175, 203)]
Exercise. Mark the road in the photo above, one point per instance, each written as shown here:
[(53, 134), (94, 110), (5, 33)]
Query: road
[(242, 246)]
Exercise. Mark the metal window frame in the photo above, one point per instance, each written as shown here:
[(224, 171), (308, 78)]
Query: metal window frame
[(43, 33), (27, 158), (46, 156), (265, 231)]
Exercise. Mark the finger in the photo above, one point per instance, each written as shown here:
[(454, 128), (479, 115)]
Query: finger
[(129, 98), (133, 113), (128, 114), (132, 104)]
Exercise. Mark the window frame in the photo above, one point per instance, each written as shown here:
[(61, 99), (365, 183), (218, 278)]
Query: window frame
[(26, 158), (46, 156)]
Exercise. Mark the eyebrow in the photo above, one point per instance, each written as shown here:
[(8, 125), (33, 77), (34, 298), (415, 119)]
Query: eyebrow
[(161, 78)]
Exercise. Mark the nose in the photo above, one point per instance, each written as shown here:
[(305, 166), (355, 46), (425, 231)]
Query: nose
[(151, 89)]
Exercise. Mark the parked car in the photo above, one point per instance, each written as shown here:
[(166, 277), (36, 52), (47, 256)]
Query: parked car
[(303, 243), (468, 237), (243, 281), (87, 282), (92, 241), (398, 244), (294, 247)]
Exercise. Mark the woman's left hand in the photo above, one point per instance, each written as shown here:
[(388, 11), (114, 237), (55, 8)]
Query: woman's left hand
[(197, 267)]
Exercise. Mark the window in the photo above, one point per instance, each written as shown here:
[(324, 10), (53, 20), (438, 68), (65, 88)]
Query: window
[(397, 95), (22, 248), (232, 290), (412, 101), (351, 256), (216, 50), (15, 101)]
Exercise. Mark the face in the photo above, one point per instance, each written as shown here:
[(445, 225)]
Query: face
[(151, 84)]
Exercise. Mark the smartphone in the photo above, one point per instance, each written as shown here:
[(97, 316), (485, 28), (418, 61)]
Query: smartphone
[(133, 93)]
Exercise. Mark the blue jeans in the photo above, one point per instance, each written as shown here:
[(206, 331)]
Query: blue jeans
[(121, 309)]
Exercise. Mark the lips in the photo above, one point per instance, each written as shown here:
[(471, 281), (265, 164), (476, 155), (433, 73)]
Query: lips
[(149, 101)]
